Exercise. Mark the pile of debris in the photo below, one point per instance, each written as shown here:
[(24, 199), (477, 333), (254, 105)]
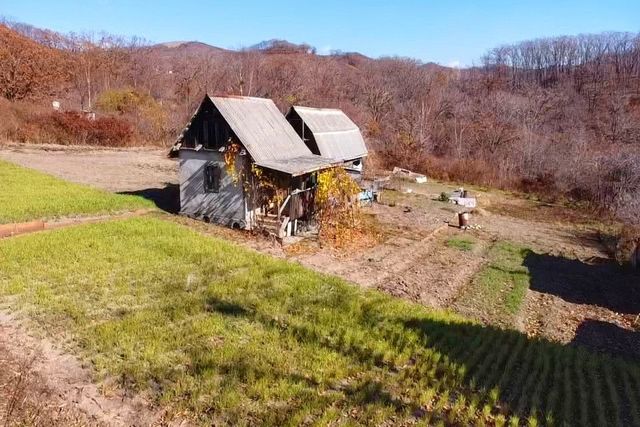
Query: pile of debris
[(462, 197), (408, 175), (392, 181)]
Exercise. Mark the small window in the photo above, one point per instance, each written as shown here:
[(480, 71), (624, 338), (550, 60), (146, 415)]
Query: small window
[(212, 178)]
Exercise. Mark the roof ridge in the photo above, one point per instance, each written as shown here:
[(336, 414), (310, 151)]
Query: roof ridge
[(243, 97), (319, 108)]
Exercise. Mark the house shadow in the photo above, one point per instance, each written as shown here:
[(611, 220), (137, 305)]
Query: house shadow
[(166, 198), (525, 371), (606, 337), (455, 355), (599, 282)]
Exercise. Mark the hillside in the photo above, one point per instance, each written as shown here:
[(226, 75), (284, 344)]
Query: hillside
[(28, 68), (564, 129), (188, 48)]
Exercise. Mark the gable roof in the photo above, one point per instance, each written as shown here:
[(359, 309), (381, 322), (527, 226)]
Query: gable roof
[(335, 134), (266, 134)]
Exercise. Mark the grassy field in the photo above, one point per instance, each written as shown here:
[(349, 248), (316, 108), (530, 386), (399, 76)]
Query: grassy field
[(498, 290), (26, 194), (235, 337), (464, 243)]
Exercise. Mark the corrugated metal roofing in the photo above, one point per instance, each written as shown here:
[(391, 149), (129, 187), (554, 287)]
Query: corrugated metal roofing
[(267, 136), (336, 135), (298, 165)]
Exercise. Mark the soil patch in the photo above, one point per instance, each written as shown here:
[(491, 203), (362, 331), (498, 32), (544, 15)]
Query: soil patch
[(117, 170), (52, 387)]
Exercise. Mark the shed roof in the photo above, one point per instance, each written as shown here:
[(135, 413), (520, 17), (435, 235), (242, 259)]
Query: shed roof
[(299, 165), (336, 135), (266, 134)]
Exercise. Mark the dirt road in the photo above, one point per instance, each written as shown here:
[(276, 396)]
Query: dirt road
[(117, 170)]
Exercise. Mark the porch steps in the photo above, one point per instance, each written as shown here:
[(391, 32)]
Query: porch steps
[(270, 224)]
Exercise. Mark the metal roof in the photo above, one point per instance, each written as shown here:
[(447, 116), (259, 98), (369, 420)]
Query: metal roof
[(336, 135), (266, 134), (299, 165)]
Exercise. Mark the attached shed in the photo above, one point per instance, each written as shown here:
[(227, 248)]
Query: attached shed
[(251, 134), (330, 133)]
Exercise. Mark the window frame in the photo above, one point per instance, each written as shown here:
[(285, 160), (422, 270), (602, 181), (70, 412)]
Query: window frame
[(212, 177)]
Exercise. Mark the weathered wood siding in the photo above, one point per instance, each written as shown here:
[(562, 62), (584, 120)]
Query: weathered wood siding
[(224, 207)]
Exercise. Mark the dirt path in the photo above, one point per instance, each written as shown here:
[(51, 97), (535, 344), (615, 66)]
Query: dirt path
[(65, 389), (437, 275), (410, 238), (584, 302), (117, 170), (577, 294)]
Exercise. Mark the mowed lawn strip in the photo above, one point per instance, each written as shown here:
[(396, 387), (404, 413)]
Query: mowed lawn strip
[(235, 337), (497, 292), (464, 243), (26, 194)]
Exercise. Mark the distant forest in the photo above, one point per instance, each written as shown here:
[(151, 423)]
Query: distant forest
[(559, 116)]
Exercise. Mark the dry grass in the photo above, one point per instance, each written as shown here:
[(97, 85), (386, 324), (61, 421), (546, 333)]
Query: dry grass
[(364, 232), (628, 243), (531, 209), (26, 401)]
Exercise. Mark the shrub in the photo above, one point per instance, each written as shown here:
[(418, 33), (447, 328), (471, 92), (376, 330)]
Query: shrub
[(72, 128), (9, 120), (464, 170), (542, 183), (146, 113), (341, 222)]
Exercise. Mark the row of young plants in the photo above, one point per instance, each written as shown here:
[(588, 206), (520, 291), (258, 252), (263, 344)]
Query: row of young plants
[(233, 337), (487, 376)]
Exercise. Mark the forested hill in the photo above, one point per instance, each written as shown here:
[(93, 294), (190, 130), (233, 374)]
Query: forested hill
[(558, 116)]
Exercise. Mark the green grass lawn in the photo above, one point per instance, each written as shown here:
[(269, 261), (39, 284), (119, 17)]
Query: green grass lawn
[(464, 243), (235, 337), (498, 290), (26, 195)]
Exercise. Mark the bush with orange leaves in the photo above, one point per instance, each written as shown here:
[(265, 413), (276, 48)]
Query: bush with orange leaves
[(28, 69), (341, 223), (70, 128)]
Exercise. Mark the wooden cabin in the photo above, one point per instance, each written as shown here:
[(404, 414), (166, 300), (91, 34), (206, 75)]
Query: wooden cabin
[(243, 165)]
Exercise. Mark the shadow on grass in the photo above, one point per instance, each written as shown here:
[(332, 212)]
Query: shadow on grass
[(166, 198), (226, 308), (604, 284), (525, 375), (565, 383), (374, 392)]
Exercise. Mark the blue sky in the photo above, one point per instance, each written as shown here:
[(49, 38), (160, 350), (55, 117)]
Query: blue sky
[(439, 31)]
